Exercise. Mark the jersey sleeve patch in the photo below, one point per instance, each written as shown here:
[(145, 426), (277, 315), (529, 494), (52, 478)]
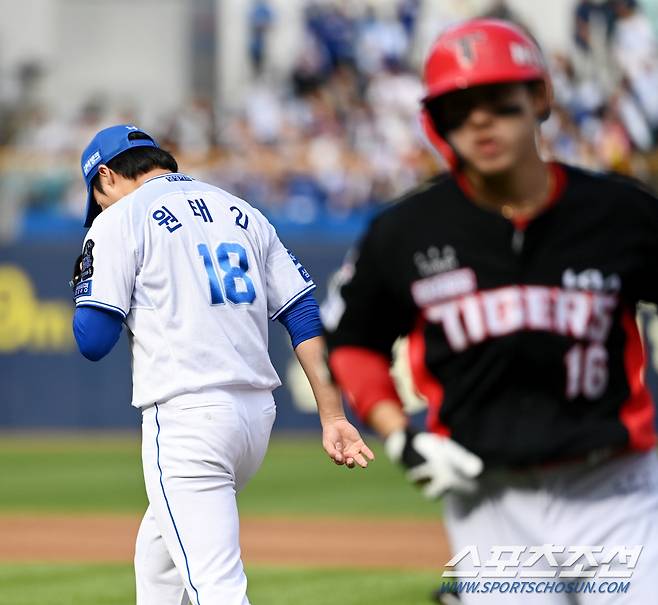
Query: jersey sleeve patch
[(87, 261), (108, 264), (82, 289), (306, 276)]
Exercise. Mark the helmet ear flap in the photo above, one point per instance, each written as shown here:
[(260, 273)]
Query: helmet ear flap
[(548, 94), (437, 141)]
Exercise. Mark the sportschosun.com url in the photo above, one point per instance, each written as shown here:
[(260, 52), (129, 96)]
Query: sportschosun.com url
[(543, 587)]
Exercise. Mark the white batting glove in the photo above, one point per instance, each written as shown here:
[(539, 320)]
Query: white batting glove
[(437, 464)]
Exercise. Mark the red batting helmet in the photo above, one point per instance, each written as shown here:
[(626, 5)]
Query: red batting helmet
[(477, 52)]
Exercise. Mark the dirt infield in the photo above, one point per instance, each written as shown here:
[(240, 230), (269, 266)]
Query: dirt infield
[(305, 542)]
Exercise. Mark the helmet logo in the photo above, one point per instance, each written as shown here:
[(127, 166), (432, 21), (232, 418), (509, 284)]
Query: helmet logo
[(465, 48), (525, 55)]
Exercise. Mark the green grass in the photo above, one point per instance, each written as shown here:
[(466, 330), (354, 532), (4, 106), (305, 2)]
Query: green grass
[(66, 584), (298, 479), (71, 474), (272, 586), (114, 585), (102, 474)]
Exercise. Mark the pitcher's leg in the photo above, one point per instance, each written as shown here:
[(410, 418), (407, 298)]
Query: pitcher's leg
[(258, 418), (157, 580), (188, 457)]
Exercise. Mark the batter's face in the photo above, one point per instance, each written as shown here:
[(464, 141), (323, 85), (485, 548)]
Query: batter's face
[(492, 128)]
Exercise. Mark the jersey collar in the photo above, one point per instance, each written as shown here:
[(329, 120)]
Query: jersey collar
[(153, 178), (558, 184)]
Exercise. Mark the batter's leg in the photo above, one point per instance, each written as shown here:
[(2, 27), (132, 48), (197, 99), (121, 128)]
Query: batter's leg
[(616, 506), (158, 582), (504, 516)]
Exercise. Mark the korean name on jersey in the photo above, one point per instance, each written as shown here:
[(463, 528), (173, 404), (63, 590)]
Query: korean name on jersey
[(196, 273)]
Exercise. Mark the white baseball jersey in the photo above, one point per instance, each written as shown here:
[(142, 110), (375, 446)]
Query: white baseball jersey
[(196, 273)]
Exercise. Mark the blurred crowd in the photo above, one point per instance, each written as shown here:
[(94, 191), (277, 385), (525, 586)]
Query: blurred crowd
[(339, 133), (606, 90)]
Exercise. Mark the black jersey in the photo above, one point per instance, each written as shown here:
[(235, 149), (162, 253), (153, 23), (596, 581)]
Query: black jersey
[(523, 340)]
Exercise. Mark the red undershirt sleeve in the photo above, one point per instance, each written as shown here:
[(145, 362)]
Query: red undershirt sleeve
[(364, 376)]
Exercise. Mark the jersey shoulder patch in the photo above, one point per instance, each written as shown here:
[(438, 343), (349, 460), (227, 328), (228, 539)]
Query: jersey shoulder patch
[(87, 262)]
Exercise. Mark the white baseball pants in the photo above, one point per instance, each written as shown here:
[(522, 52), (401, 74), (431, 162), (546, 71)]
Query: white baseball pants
[(611, 504), (196, 458)]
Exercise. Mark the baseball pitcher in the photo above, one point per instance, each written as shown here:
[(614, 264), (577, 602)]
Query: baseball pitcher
[(194, 274)]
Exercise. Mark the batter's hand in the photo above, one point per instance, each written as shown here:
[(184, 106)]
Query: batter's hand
[(436, 464), (344, 444)]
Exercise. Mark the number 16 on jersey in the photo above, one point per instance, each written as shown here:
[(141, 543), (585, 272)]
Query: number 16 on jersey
[(233, 263)]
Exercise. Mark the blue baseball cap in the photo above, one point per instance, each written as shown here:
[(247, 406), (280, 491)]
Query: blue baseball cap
[(107, 144)]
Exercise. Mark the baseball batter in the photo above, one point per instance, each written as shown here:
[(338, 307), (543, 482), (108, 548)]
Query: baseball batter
[(516, 282), (194, 273)]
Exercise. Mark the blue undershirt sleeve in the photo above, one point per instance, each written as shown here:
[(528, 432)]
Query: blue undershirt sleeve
[(302, 320), (96, 331)]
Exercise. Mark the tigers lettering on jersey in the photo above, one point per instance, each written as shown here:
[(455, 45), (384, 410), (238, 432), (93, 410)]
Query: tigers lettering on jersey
[(473, 318), (509, 344)]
